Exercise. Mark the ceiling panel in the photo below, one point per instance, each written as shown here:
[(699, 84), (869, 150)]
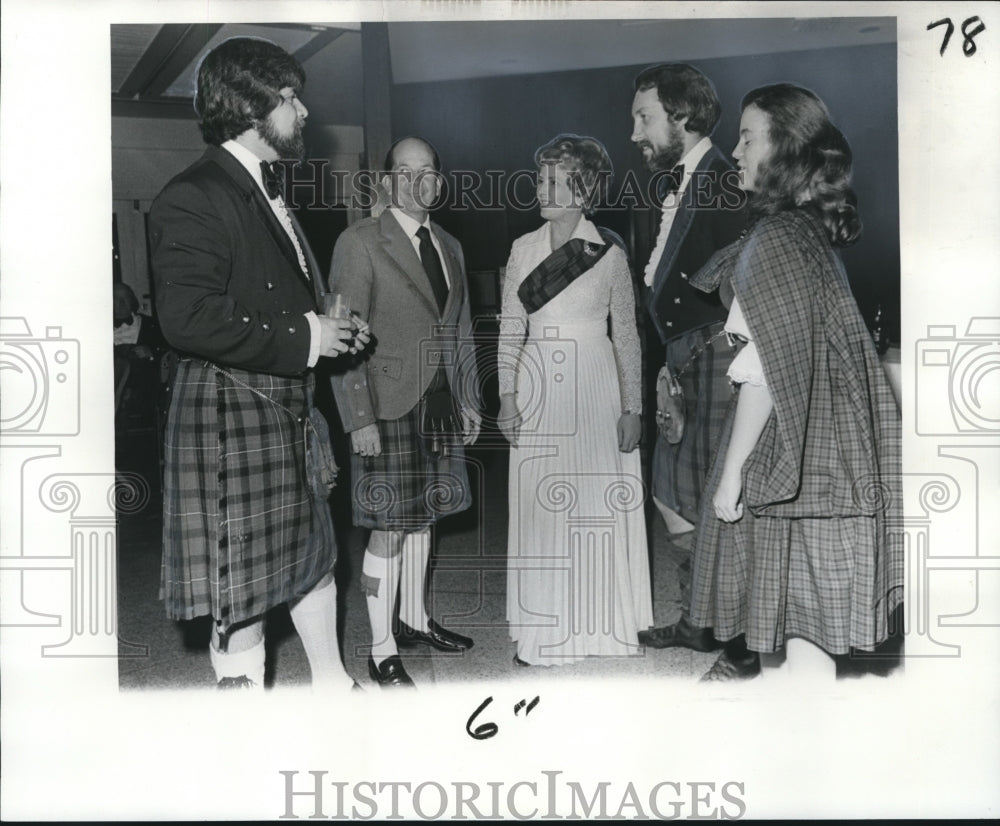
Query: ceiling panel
[(423, 52), (128, 42)]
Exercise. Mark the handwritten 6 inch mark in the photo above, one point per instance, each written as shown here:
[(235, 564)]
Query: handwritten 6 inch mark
[(968, 42), (484, 731)]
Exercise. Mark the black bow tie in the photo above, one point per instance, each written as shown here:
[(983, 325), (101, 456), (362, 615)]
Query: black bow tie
[(273, 175), (670, 182)]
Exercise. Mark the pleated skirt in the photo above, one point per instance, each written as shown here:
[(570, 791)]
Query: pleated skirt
[(578, 580)]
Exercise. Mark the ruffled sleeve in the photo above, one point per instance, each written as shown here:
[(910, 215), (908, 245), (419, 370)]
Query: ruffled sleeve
[(746, 368)]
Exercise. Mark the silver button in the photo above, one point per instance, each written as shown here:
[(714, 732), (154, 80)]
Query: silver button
[(246, 319), (677, 301), (684, 276), (670, 324), (266, 326), (357, 387), (270, 286), (291, 330)]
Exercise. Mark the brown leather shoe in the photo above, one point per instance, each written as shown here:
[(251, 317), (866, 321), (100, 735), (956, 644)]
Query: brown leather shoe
[(680, 635), (389, 672)]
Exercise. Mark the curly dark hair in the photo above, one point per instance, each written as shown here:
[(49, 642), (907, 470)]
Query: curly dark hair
[(239, 84), (810, 162), (587, 159), (684, 92)]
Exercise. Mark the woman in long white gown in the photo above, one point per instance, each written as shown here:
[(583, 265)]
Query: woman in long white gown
[(570, 395)]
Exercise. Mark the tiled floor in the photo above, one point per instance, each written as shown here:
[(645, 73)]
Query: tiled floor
[(467, 594)]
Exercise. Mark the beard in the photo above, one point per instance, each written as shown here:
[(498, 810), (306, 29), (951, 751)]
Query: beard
[(667, 157), (288, 147)]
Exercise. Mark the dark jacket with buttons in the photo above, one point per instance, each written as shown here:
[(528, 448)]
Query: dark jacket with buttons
[(228, 285), (709, 217)]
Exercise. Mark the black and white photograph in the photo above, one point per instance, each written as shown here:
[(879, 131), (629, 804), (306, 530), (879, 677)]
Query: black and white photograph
[(486, 410)]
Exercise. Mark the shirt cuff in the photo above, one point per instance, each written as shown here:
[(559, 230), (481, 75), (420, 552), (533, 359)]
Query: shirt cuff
[(315, 333)]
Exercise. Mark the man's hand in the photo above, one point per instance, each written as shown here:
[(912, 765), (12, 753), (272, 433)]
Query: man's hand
[(470, 425), (366, 441), (362, 333), (335, 335), (629, 432)]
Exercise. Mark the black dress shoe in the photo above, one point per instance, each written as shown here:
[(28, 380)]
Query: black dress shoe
[(520, 662), (389, 672), (437, 637), (728, 668), (680, 635)]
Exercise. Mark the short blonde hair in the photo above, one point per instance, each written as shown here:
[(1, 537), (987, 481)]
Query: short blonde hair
[(587, 158)]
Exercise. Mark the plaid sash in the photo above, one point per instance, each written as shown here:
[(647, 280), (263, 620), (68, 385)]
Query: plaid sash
[(562, 267)]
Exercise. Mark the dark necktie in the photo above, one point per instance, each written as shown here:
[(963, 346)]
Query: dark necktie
[(432, 266), (273, 175)]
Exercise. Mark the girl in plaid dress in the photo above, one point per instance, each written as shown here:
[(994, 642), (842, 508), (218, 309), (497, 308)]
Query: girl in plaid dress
[(793, 545)]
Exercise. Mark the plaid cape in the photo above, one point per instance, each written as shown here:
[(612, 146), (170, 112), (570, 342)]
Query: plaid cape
[(814, 554), (562, 267), (246, 521)]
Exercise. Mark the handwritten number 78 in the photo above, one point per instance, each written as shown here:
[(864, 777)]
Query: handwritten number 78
[(968, 42)]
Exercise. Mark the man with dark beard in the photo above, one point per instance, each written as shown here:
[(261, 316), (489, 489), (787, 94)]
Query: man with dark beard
[(674, 111), (246, 522)]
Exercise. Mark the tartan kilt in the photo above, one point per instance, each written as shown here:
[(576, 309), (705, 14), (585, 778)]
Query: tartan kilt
[(405, 487), (774, 577), (246, 523), (680, 471)]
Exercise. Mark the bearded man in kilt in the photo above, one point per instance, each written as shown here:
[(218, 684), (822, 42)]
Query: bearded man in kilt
[(675, 110), (412, 406), (248, 463)]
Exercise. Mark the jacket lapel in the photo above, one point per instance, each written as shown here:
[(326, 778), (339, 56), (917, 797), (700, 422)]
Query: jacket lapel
[(318, 287), (263, 213), (456, 284), (679, 229), (400, 249)]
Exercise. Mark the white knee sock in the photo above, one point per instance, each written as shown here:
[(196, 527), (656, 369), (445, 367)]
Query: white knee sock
[(385, 571), (807, 661), (416, 556), (315, 618), (244, 655)]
